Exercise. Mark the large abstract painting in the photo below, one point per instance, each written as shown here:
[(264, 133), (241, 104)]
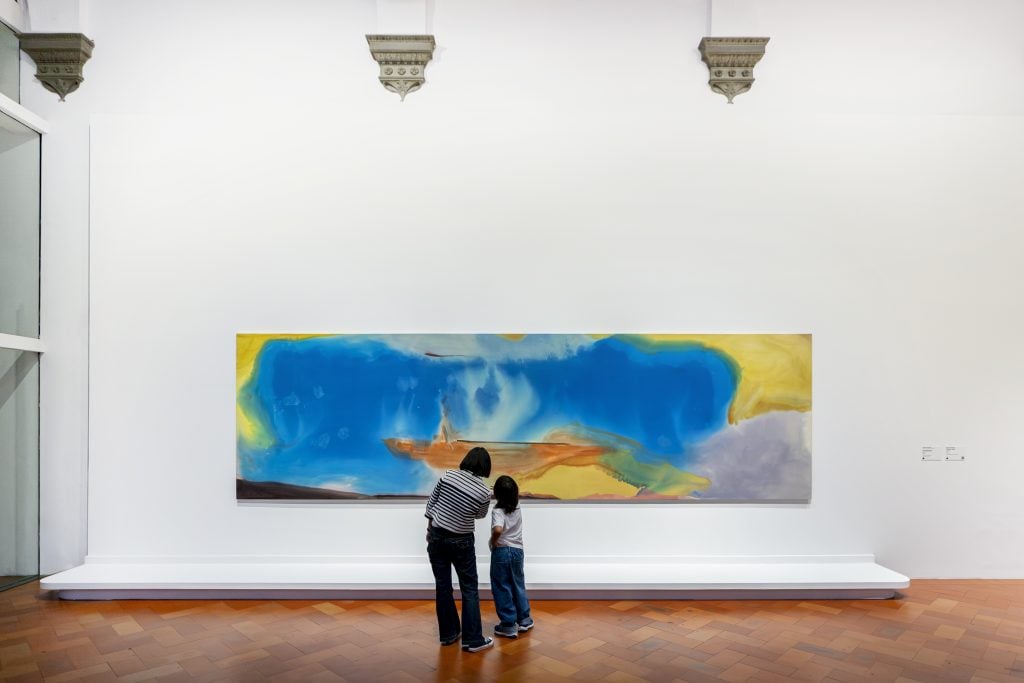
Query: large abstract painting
[(673, 417)]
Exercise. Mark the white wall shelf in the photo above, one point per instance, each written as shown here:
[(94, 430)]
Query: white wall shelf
[(851, 577)]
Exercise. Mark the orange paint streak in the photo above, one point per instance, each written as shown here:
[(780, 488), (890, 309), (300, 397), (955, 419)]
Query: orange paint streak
[(506, 458)]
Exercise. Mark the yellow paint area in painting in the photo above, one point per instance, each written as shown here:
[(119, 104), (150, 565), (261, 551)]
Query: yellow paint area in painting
[(247, 348), (251, 430), (775, 369), (661, 479), (566, 481)]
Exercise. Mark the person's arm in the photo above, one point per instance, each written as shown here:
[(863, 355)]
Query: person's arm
[(485, 505), (495, 535), (497, 526), (431, 502)]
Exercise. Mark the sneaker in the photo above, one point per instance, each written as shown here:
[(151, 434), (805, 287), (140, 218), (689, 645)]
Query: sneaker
[(506, 631), (488, 642), (453, 639), (526, 626)]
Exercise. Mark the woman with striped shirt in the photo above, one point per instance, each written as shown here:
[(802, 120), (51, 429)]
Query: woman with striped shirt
[(459, 499)]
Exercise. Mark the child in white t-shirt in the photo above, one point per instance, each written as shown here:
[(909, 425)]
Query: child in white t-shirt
[(508, 583)]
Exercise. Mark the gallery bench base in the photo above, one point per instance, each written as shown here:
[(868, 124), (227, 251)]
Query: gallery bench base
[(853, 577)]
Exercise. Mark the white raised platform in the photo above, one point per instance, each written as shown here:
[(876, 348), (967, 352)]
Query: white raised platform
[(846, 577)]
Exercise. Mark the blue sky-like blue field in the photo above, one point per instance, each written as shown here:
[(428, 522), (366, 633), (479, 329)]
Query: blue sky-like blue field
[(328, 402)]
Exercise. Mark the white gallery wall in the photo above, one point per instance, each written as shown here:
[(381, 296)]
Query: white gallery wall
[(565, 168)]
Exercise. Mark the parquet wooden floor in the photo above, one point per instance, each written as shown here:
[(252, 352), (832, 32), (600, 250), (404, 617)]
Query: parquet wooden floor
[(937, 631)]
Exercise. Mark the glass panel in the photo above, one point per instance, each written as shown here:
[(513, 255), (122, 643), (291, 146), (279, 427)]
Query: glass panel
[(19, 465), (10, 56), (19, 228)]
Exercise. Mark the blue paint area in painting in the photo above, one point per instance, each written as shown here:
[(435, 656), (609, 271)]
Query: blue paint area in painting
[(487, 396), (331, 401)]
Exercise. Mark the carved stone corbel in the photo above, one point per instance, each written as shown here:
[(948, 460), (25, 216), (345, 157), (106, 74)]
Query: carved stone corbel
[(402, 61), (731, 63), (59, 59)]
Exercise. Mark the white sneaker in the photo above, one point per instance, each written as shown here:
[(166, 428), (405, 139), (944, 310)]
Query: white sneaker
[(488, 642)]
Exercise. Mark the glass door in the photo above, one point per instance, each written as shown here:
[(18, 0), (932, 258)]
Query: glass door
[(19, 352)]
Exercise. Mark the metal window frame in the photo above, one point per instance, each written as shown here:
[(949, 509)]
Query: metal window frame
[(17, 342)]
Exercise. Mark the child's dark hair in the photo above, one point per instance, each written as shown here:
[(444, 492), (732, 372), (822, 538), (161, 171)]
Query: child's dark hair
[(506, 491), (477, 461)]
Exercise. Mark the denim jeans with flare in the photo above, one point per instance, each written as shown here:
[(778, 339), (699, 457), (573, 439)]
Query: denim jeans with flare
[(447, 550)]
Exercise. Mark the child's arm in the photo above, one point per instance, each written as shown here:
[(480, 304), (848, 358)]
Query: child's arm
[(495, 534)]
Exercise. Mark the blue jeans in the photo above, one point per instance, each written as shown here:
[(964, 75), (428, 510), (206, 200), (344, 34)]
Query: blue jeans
[(447, 550), (508, 586)]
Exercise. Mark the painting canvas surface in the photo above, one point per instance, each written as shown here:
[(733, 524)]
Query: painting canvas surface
[(673, 417)]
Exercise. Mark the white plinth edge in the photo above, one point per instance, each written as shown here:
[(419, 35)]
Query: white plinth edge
[(804, 577)]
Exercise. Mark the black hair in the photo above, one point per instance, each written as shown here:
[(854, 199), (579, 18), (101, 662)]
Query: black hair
[(477, 461), (506, 491)]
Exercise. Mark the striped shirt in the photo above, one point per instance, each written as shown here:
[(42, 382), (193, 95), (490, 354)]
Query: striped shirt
[(458, 500)]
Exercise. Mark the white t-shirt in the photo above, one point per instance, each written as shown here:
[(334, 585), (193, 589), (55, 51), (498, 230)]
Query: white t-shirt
[(512, 523)]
